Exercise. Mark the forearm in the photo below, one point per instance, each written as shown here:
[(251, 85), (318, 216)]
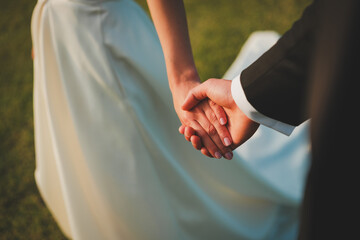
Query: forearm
[(170, 22), (171, 25)]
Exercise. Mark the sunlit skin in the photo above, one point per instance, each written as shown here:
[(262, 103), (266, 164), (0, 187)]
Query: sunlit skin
[(170, 22), (239, 125)]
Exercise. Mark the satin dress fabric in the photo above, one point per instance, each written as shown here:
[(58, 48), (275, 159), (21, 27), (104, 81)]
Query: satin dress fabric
[(110, 163)]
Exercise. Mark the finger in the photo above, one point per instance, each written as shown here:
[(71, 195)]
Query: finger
[(214, 136), (219, 112), (205, 152), (228, 155), (189, 131), (182, 129), (218, 90), (222, 130), (206, 140), (196, 142), (217, 132), (195, 96)]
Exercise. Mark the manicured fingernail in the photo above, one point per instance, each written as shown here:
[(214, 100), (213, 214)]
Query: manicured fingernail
[(222, 121), (227, 141), (228, 155), (218, 155)]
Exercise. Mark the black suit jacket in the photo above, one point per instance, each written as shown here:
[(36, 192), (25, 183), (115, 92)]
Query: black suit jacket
[(276, 84), (314, 72)]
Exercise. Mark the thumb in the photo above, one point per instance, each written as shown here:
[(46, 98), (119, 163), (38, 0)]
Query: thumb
[(195, 96)]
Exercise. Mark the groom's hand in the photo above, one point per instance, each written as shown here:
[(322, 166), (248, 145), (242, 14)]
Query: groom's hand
[(207, 120), (239, 125)]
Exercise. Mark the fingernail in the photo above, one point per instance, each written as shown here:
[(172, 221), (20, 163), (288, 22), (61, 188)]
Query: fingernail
[(218, 155), (227, 141), (228, 155), (222, 121)]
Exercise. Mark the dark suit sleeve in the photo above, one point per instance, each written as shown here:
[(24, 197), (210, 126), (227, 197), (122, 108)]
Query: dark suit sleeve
[(276, 84)]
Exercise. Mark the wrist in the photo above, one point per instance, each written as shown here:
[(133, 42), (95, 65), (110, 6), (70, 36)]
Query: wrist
[(187, 78)]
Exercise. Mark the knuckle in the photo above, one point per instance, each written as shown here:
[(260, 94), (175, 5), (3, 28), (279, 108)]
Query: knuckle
[(219, 110), (212, 130), (212, 117), (191, 92), (211, 103)]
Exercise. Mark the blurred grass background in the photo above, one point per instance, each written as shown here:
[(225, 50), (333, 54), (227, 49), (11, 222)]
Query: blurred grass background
[(218, 29)]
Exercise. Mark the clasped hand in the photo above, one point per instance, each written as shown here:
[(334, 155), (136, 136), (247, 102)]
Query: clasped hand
[(205, 123), (215, 95)]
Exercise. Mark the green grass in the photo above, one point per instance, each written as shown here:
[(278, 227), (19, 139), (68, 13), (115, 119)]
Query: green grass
[(217, 30)]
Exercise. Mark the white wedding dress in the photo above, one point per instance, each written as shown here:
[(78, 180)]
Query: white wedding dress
[(110, 163)]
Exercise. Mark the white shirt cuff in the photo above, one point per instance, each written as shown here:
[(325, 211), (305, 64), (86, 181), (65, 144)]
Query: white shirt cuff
[(241, 101)]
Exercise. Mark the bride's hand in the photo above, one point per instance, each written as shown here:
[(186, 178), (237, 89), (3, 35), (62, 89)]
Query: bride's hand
[(239, 125), (207, 120)]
